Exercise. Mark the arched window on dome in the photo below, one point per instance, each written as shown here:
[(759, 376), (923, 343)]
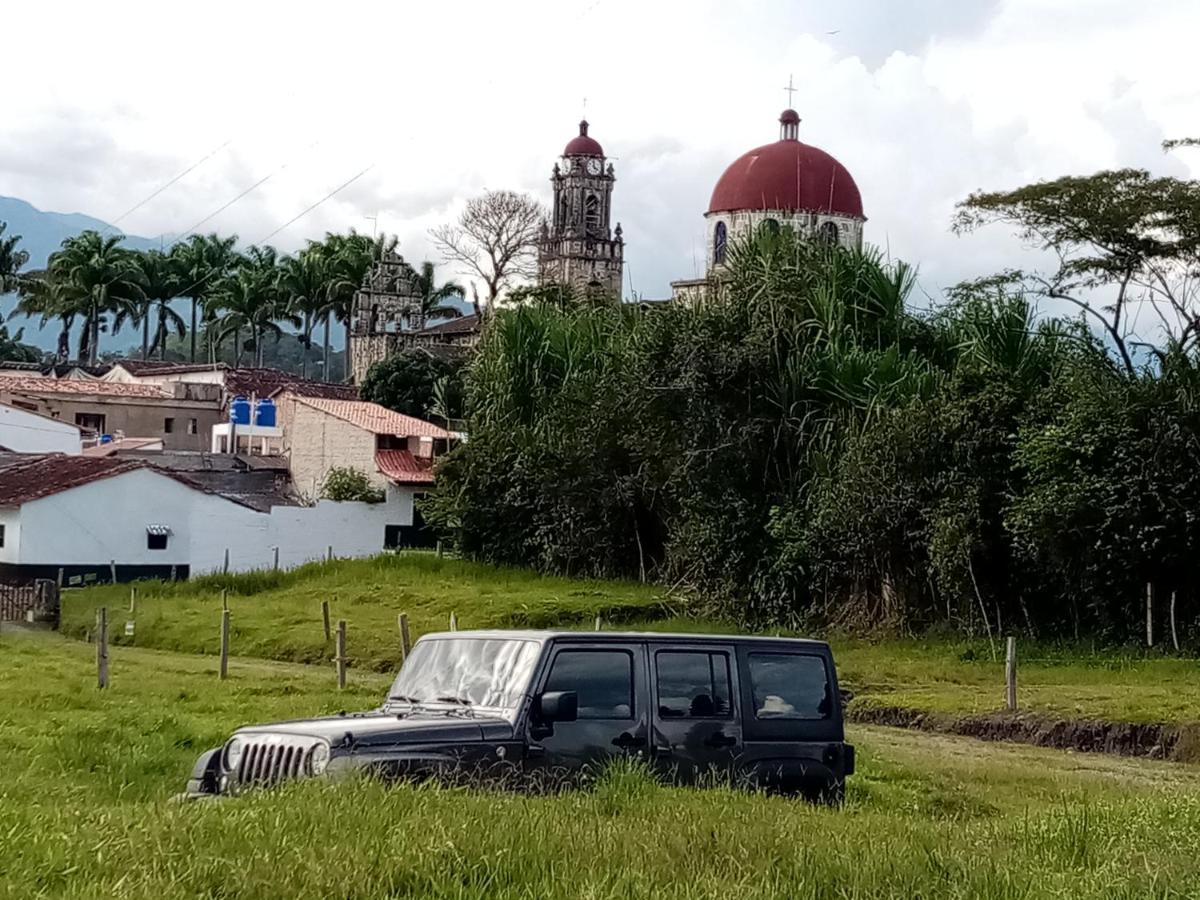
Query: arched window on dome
[(829, 233), (720, 243), (591, 214), (771, 226)]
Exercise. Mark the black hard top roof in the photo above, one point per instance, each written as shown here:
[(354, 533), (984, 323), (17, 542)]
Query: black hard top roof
[(662, 637)]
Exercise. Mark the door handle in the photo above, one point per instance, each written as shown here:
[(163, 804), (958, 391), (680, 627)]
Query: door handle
[(720, 740), (625, 740)]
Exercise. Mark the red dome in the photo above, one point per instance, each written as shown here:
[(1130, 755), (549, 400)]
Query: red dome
[(787, 175), (583, 145)]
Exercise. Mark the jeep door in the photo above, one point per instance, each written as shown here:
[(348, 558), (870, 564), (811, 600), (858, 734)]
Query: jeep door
[(696, 727), (613, 719)]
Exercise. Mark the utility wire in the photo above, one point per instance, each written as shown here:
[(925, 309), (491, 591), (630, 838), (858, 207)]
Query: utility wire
[(177, 178)]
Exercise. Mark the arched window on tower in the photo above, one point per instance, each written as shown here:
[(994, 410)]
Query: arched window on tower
[(563, 208), (720, 243), (591, 214), (829, 233)]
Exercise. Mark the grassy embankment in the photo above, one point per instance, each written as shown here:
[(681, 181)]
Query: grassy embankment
[(277, 615), (84, 811)]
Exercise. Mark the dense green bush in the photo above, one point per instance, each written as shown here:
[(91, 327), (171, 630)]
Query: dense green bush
[(345, 483), (805, 448)]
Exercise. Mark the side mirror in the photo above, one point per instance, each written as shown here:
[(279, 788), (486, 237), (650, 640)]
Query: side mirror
[(558, 706)]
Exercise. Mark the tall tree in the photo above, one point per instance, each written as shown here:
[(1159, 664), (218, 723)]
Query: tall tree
[(163, 281), (495, 240), (250, 300), (203, 261), (12, 259), (1117, 238), (102, 277), (303, 280), (46, 294)]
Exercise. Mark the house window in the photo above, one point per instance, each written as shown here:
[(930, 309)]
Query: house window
[(90, 422), (156, 537), (720, 243), (168, 425), (191, 426)]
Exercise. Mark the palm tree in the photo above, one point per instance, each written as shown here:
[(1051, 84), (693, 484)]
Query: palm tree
[(11, 260), (251, 300), (303, 279), (433, 298), (203, 261), (163, 283), (47, 296), (102, 277)]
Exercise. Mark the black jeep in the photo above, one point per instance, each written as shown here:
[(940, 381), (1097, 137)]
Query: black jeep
[(764, 711)]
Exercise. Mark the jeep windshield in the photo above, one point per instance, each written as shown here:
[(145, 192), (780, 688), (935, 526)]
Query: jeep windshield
[(466, 673)]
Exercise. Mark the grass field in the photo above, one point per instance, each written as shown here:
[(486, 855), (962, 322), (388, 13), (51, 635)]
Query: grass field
[(84, 810), (277, 615)]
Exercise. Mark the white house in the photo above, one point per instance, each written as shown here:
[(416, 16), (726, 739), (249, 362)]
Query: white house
[(84, 513), (23, 431)]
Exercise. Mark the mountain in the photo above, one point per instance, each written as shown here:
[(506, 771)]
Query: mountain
[(41, 234)]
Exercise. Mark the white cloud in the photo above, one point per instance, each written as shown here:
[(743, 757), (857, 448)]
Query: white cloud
[(923, 101)]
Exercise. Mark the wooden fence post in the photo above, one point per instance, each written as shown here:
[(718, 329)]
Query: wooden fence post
[(275, 558), (325, 619), (439, 549), (60, 578), (1010, 674), (224, 643), (1174, 633), (174, 573), (329, 554), (599, 623), (112, 568), (405, 645), (132, 600), (225, 565), (224, 598), (102, 647), (453, 622), (341, 654), (1149, 614)]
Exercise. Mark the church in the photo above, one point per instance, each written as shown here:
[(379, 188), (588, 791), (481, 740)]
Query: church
[(786, 183), (783, 184)]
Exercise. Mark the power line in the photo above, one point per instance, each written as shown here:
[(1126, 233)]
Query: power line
[(328, 196), (173, 181)]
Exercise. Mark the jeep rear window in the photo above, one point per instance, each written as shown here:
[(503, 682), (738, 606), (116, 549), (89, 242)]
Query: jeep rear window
[(789, 686), (603, 679)]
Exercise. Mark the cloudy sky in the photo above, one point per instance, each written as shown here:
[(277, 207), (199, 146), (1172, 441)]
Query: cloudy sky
[(923, 100)]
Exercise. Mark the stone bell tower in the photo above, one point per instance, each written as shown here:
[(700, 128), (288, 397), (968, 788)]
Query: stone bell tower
[(579, 246)]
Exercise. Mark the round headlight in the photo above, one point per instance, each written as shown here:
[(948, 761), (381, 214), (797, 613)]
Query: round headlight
[(318, 759), (233, 753)]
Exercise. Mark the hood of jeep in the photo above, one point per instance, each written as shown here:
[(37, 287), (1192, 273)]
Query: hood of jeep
[(377, 728)]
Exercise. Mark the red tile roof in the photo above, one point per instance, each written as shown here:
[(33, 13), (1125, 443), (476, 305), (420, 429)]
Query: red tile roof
[(402, 467), (140, 367), (375, 418), (265, 382), (69, 387)]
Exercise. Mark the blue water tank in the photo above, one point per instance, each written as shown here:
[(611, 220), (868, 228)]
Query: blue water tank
[(264, 413), (106, 438), (239, 411)]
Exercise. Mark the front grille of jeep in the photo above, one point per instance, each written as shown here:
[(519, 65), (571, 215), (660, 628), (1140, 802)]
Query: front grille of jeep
[(268, 762)]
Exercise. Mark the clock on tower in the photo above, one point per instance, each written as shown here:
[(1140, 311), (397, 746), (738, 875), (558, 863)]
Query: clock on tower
[(579, 247)]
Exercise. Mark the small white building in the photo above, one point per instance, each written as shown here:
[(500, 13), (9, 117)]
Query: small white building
[(23, 431), (84, 514)]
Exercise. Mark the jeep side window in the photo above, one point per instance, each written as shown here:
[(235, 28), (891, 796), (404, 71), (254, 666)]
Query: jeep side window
[(693, 684), (603, 679), (789, 686)]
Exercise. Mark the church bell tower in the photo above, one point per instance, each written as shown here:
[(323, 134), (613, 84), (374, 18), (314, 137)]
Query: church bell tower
[(579, 246)]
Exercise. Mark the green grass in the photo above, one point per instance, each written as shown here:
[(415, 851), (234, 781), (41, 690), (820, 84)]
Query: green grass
[(277, 615), (84, 810)]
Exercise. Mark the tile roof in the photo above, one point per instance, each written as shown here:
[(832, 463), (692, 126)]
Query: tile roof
[(265, 382), (123, 444), (70, 387), (140, 367), (375, 418), (402, 467), (461, 325), (327, 389), (25, 478)]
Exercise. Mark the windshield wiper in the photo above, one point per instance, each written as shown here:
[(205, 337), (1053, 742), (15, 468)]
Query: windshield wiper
[(462, 702)]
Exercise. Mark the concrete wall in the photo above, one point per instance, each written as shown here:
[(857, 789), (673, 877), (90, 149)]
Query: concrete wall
[(315, 442), (26, 432), (136, 417), (106, 520)]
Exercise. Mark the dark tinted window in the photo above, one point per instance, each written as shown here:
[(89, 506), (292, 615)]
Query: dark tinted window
[(789, 686), (603, 679), (692, 684)]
